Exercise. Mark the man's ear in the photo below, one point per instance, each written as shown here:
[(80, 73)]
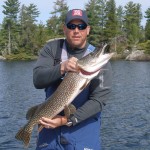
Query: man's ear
[(88, 30)]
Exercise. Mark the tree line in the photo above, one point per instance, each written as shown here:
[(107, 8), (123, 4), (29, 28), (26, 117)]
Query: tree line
[(20, 34)]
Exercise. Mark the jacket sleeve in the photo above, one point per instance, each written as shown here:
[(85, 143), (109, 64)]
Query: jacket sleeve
[(44, 72), (100, 88)]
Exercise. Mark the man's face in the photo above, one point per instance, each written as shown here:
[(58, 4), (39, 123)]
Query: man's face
[(76, 37)]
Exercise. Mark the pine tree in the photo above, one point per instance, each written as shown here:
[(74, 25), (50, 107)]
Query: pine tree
[(91, 9), (120, 19), (40, 37), (132, 20), (11, 9), (147, 27), (96, 14), (58, 16), (111, 20), (28, 28)]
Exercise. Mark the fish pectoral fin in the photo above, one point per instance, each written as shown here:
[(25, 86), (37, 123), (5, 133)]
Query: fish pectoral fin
[(85, 84), (72, 109), (68, 110)]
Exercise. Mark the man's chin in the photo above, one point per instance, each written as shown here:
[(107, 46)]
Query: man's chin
[(77, 44)]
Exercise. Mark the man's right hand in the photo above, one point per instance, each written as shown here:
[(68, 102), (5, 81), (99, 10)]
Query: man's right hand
[(69, 65)]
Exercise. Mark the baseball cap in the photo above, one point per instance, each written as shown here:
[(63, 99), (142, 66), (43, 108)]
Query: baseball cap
[(76, 14)]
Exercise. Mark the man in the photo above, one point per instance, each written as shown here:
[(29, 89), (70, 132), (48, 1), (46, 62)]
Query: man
[(82, 130)]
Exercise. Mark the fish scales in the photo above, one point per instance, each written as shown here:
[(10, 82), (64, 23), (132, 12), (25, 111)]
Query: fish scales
[(60, 98)]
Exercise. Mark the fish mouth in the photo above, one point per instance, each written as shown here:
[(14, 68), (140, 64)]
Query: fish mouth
[(94, 66), (88, 74), (84, 72)]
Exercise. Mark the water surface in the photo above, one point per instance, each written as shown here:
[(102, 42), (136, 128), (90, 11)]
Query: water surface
[(125, 118)]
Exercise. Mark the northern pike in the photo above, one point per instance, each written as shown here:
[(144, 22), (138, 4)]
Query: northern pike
[(72, 84)]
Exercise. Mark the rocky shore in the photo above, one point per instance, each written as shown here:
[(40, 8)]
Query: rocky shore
[(138, 55), (2, 58), (135, 55)]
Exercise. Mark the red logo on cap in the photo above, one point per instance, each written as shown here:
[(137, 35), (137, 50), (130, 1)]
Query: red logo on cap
[(76, 13)]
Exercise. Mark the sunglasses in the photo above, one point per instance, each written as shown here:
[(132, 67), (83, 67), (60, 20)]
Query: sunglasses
[(79, 26)]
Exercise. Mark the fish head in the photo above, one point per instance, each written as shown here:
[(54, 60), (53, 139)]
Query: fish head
[(91, 64)]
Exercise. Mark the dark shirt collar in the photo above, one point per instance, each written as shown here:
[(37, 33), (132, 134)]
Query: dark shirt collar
[(75, 50)]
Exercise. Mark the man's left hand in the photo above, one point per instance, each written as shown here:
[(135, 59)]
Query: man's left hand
[(53, 123)]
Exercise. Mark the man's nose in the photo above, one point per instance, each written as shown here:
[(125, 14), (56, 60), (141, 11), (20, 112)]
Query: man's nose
[(76, 29)]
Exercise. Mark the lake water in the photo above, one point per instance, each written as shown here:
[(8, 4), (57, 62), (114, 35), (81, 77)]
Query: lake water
[(125, 118)]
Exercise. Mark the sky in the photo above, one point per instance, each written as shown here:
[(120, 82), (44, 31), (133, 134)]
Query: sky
[(46, 6)]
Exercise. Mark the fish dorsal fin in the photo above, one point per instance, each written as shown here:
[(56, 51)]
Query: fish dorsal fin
[(103, 49), (31, 112)]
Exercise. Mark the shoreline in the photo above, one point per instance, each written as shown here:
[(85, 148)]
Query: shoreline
[(115, 57)]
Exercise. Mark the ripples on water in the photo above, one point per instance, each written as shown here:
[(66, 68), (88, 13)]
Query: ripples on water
[(17, 94), (125, 118)]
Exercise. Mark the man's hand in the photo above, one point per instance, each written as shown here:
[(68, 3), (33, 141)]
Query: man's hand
[(69, 65), (53, 123)]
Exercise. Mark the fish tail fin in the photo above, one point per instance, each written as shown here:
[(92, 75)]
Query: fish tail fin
[(24, 135)]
